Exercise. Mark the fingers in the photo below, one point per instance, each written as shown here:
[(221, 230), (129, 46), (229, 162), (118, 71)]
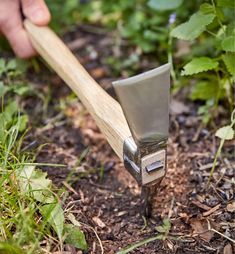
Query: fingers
[(36, 11), (11, 26)]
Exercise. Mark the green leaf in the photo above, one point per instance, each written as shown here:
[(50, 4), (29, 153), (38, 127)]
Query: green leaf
[(163, 5), (225, 132), (160, 229), (35, 183), (23, 120), (194, 27), (10, 110), (167, 224), (11, 65), (228, 44), (226, 3), (21, 89), (75, 236), (204, 90), (9, 248), (206, 8), (198, 65), (53, 213), (229, 60), (3, 89), (2, 66)]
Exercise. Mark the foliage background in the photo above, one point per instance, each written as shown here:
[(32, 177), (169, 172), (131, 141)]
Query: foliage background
[(202, 55)]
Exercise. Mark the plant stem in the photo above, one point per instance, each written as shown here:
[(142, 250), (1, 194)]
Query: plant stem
[(219, 21), (215, 160), (136, 245), (220, 148), (170, 59)]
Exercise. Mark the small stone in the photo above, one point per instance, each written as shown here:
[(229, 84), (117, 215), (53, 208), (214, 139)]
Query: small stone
[(228, 249), (231, 207)]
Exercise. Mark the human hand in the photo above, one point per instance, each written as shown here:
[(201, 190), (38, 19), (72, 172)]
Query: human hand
[(11, 23)]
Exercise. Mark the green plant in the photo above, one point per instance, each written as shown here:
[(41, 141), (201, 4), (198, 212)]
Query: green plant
[(211, 32), (64, 13), (224, 133), (30, 206), (163, 234), (143, 22)]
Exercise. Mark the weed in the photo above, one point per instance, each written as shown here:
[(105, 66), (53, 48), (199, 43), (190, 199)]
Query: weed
[(163, 233), (30, 209), (224, 133), (213, 27)]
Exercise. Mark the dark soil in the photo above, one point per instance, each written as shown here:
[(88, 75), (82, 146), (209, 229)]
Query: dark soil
[(105, 199)]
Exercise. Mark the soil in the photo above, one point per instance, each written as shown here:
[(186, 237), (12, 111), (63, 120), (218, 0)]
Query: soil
[(104, 198)]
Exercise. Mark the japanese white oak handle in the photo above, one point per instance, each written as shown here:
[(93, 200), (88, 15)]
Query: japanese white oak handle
[(105, 110)]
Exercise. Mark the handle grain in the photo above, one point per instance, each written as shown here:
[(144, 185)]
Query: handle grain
[(105, 110)]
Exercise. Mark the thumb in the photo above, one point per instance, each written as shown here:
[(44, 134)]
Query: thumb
[(36, 11)]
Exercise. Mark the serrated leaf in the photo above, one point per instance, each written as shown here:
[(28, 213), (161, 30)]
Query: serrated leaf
[(75, 236), (229, 60), (163, 5), (225, 132), (194, 27), (54, 215), (228, 44), (198, 65)]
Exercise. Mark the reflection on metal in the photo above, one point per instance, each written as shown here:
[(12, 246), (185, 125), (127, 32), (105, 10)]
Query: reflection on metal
[(145, 102)]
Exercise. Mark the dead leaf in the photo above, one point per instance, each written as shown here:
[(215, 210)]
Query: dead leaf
[(228, 249), (99, 222), (200, 227)]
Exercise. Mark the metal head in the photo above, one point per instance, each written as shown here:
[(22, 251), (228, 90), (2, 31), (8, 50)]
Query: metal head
[(145, 102)]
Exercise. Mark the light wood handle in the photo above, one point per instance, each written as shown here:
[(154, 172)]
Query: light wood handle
[(105, 110)]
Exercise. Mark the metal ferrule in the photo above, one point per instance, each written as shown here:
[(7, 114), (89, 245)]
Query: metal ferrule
[(146, 160)]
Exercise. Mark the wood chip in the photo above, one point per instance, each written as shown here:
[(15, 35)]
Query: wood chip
[(207, 166), (200, 205), (99, 222), (212, 210), (228, 249)]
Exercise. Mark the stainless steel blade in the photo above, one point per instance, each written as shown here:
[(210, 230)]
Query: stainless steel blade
[(145, 102)]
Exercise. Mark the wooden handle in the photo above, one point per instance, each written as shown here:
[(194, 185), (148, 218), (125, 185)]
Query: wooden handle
[(105, 110)]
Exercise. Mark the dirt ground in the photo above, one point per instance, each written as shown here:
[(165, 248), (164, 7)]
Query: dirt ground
[(104, 198)]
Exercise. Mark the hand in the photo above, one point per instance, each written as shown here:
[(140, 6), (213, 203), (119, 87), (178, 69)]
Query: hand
[(11, 23)]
